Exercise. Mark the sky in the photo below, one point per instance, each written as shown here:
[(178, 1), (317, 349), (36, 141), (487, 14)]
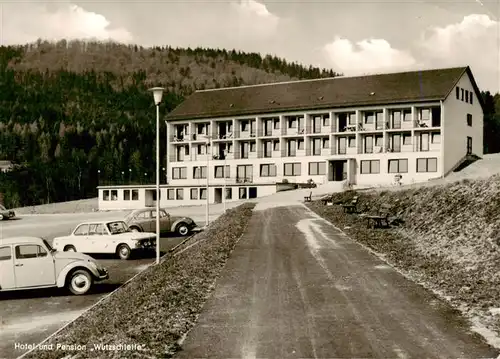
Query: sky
[(351, 37)]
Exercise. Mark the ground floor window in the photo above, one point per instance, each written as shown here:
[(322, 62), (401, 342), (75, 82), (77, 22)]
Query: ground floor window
[(203, 193), (105, 195), (426, 164), (170, 194), (370, 167), (291, 169), (229, 193), (180, 193), (243, 193), (317, 168), (194, 193), (114, 195), (131, 194), (398, 166)]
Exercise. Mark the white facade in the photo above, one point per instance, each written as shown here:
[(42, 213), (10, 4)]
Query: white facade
[(367, 146)]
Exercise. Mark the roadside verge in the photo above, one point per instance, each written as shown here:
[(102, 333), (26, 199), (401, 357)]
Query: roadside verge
[(151, 314)]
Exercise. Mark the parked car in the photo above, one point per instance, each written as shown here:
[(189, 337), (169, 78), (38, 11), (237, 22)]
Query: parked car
[(31, 263), (6, 213), (144, 220), (105, 237)]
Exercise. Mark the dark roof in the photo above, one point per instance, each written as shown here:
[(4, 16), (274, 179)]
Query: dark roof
[(402, 87)]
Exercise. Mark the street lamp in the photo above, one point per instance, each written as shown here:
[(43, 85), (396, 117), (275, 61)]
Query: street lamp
[(157, 94), (209, 152), (225, 178)]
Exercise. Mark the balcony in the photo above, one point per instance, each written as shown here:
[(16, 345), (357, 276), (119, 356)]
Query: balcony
[(225, 136), (181, 138), (247, 179)]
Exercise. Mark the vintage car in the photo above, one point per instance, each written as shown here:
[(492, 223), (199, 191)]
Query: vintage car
[(144, 220), (105, 237), (6, 213), (31, 263)]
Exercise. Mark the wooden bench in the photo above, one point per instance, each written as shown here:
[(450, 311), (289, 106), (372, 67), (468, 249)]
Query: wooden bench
[(308, 198), (327, 198), (380, 220), (352, 206)]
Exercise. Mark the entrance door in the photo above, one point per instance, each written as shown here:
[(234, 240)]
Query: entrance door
[(252, 192), (337, 170), (218, 195)]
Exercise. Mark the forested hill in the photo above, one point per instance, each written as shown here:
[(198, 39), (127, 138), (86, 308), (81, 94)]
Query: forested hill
[(74, 114)]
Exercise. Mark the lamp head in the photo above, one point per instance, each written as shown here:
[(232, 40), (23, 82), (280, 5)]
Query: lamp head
[(157, 94)]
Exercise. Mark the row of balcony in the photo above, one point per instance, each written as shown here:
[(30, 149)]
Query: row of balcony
[(230, 136)]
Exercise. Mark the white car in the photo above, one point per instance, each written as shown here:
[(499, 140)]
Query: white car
[(31, 263), (106, 237)]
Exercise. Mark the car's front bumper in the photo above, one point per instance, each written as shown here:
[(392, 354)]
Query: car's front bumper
[(103, 274)]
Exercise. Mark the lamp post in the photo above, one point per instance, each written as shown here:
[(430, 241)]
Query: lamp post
[(225, 179), (157, 95), (209, 151), (98, 177)]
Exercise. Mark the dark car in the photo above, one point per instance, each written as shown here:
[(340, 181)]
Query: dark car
[(6, 213), (144, 220)]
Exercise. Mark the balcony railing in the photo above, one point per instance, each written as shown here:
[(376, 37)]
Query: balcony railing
[(248, 179)]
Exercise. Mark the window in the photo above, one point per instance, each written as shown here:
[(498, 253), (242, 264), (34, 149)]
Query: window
[(424, 142), (398, 166), (462, 94), (179, 173), (342, 145), (379, 141), (126, 195), (316, 150), (179, 192), (368, 144), (292, 123), (300, 144), (436, 138), (292, 148), (395, 143), (244, 173), (369, 117), (97, 229), (326, 142), (194, 193), (5, 253), (291, 169), (154, 195), (352, 142), (219, 171), (326, 120), (244, 125), (467, 96), (469, 119), (144, 215), (82, 230), (370, 167), (406, 139), (163, 214), (203, 193), (170, 194), (277, 124), (200, 172), (396, 119), (426, 164), (229, 193), (317, 168), (276, 145), (268, 170), (425, 114), (114, 195), (471, 96), (26, 251), (243, 193), (457, 92), (406, 115), (253, 147), (105, 195), (469, 145)]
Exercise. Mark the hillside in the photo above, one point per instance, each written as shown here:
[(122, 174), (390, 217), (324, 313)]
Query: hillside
[(74, 114), (449, 241)]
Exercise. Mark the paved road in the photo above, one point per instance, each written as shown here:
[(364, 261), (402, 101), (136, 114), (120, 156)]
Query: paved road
[(28, 317), (296, 287)]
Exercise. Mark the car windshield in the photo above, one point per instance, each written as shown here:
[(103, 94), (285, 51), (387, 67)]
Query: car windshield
[(130, 216), (117, 227), (2, 208), (49, 247)]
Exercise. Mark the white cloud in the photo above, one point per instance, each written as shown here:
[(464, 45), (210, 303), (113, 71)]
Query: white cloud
[(254, 18), (366, 56), (474, 41), (66, 22)]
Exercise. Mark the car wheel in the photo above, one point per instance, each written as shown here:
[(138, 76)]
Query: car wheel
[(80, 282), (69, 249), (135, 229), (182, 229), (2, 217), (123, 251)]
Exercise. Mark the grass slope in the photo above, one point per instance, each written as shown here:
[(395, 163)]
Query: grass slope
[(449, 242), (161, 304)]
